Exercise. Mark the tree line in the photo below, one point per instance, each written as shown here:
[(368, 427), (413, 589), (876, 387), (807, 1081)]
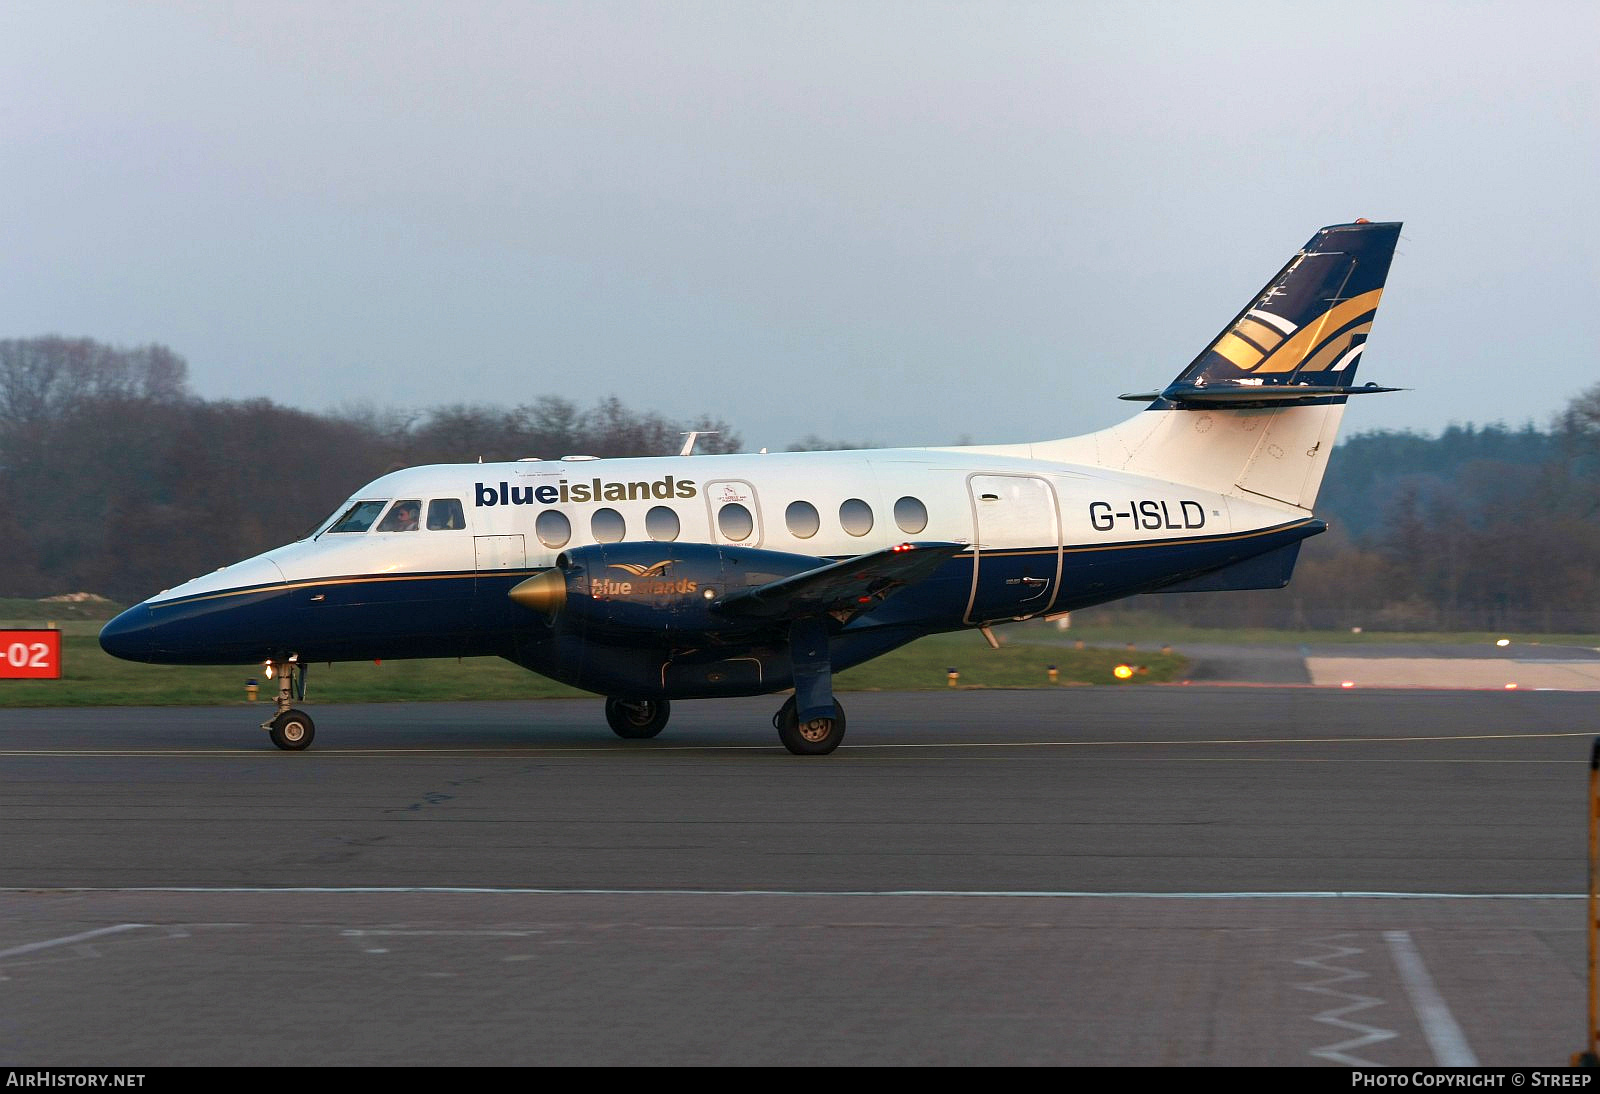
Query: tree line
[(1481, 529), (115, 478)]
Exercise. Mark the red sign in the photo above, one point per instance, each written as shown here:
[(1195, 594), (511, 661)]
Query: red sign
[(30, 655)]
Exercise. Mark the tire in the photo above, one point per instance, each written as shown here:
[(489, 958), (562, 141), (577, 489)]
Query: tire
[(817, 737), (293, 731), (637, 719)]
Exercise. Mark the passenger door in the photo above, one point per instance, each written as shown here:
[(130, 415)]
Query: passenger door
[(1016, 547)]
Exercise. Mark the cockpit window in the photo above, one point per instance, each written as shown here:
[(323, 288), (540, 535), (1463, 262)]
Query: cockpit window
[(445, 513), (359, 517), (402, 517)]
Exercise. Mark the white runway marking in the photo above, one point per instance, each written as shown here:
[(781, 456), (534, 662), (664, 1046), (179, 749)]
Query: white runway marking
[(364, 932), (456, 890), (518, 751), (1346, 1003), (1439, 1026), (35, 947)]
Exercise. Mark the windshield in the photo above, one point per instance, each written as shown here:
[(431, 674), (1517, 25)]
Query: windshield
[(359, 517)]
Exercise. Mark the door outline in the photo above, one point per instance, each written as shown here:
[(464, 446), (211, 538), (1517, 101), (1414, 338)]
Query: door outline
[(719, 492), (492, 554), (978, 547)]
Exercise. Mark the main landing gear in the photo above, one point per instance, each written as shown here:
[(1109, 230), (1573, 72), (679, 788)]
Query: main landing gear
[(641, 719), (637, 719), (812, 737), (290, 729), (811, 723)]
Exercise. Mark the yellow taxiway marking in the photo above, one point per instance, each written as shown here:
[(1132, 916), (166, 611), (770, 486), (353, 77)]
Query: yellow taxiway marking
[(518, 751)]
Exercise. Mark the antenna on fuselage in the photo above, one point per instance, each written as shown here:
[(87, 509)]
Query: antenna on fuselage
[(692, 436)]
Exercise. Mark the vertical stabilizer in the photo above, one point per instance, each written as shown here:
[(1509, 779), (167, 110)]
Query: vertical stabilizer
[(1256, 413), (1308, 326)]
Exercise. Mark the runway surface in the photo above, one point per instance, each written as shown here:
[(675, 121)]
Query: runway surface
[(1082, 876)]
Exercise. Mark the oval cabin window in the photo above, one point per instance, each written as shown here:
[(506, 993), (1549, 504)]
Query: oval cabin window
[(553, 528), (855, 517), (802, 519), (911, 515), (735, 521), (662, 524), (608, 526)]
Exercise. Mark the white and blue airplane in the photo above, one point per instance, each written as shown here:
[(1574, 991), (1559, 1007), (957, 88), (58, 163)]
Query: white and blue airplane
[(692, 576)]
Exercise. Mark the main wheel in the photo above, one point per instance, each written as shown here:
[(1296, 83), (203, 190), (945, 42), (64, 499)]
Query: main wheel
[(637, 719), (818, 737), (292, 731)]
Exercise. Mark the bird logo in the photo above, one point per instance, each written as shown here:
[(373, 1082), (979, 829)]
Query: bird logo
[(658, 570)]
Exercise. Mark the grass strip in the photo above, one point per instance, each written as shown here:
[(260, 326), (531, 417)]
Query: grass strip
[(90, 677)]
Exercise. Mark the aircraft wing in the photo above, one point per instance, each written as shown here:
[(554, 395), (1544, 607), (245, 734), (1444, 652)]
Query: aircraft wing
[(840, 586)]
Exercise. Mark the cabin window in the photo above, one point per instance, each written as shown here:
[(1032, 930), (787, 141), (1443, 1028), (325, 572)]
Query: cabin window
[(735, 521), (855, 516), (911, 515), (803, 519), (553, 528), (444, 514), (608, 526), (662, 524), (359, 517), (402, 516)]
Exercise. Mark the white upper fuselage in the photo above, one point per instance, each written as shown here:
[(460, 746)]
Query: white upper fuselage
[(993, 499)]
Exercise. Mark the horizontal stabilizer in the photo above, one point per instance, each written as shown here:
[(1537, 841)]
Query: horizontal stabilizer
[(1246, 394), (849, 585)]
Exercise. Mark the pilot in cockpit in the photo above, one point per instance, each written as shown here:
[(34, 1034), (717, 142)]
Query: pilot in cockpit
[(402, 518)]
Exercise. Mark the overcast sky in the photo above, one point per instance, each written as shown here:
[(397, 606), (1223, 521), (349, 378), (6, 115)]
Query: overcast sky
[(902, 223)]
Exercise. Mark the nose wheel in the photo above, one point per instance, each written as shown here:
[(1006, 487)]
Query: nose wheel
[(290, 729), (812, 737)]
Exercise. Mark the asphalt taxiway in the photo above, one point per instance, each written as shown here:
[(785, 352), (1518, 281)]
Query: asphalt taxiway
[(1177, 875)]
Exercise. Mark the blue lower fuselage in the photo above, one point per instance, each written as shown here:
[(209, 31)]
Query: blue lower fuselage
[(456, 614)]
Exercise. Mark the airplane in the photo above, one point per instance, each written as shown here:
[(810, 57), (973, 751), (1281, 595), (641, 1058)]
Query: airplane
[(696, 576)]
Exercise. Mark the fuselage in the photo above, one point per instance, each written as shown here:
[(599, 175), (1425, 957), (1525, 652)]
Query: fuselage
[(1042, 538)]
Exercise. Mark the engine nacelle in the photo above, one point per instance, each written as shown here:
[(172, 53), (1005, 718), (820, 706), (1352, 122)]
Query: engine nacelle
[(638, 590)]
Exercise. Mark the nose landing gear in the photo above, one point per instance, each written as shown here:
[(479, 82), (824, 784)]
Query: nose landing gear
[(290, 729)]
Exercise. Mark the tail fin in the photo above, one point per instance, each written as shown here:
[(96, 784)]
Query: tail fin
[(1256, 412), (1305, 329)]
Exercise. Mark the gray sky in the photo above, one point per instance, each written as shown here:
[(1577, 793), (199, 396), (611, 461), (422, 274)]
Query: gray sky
[(904, 223)]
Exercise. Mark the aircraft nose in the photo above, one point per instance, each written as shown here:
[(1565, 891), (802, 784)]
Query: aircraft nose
[(128, 636)]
